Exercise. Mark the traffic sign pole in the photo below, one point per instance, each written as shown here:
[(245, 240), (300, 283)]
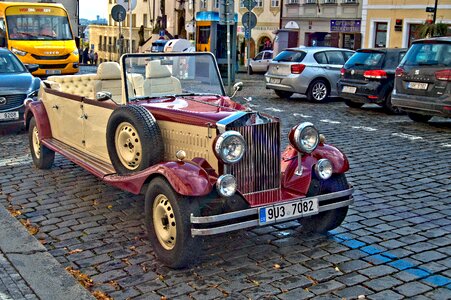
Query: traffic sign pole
[(229, 87)]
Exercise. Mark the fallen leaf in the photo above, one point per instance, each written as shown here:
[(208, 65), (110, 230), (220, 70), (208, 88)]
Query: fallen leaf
[(132, 248), (101, 295), (337, 269), (75, 251), (163, 298), (95, 203), (14, 212), (361, 297), (30, 228), (255, 282), (110, 206), (276, 266), (83, 279), (114, 284), (161, 277)]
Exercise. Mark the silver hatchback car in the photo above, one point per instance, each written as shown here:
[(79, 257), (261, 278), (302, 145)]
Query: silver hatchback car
[(312, 71)]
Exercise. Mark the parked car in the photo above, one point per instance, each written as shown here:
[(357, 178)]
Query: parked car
[(206, 164), (16, 85), (422, 82), (368, 77), (260, 62), (313, 71), (158, 46)]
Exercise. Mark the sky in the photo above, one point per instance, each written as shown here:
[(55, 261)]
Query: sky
[(89, 9)]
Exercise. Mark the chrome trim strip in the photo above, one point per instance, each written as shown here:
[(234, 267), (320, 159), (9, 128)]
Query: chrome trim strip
[(221, 124), (254, 211)]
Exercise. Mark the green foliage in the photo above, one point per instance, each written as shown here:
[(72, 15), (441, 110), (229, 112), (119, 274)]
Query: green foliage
[(431, 30)]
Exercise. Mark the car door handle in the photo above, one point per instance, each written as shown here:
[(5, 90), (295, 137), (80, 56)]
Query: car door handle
[(84, 116), (55, 106)]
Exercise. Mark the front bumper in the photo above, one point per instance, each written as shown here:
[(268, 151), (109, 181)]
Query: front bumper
[(249, 217)]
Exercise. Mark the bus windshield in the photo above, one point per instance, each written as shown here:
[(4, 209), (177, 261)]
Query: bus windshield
[(39, 26)]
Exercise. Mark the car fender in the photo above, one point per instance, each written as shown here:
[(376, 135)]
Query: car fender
[(186, 178), (37, 110), (301, 183)]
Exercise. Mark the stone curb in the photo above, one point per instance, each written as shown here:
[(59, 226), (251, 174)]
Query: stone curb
[(40, 270)]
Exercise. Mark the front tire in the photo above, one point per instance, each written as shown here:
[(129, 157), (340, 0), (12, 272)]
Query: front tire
[(42, 156), (168, 225), (283, 94), (331, 219), (318, 91), (419, 117)]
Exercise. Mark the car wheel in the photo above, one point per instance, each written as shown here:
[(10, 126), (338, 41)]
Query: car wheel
[(419, 117), (389, 107), (42, 156), (318, 91), (328, 220), (168, 225), (283, 94), (353, 104), (134, 139), (251, 71)]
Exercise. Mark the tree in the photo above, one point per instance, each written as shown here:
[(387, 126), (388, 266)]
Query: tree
[(431, 30)]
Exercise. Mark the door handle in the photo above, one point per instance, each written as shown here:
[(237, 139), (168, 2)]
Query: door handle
[(55, 106), (84, 116)]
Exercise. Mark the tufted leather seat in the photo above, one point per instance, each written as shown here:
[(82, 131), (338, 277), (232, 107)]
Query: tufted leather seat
[(159, 81), (81, 85), (109, 80)]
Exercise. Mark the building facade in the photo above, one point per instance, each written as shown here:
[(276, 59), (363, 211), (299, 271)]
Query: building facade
[(334, 23), (396, 23)]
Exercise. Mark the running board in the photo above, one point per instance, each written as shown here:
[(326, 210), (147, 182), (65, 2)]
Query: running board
[(92, 164)]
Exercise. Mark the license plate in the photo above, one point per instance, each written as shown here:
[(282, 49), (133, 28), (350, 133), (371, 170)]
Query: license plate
[(10, 115), (276, 213), (52, 72), (349, 89), (275, 80), (417, 85)]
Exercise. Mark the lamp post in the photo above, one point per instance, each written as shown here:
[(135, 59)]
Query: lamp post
[(435, 12)]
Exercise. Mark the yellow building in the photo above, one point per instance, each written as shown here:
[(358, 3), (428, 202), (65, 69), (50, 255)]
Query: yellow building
[(395, 23)]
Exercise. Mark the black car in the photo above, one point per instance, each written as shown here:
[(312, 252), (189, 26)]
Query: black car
[(368, 77), (16, 85), (422, 84)]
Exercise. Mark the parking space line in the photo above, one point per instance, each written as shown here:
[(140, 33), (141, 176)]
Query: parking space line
[(274, 109), (364, 128), (330, 121), (407, 136), (301, 115)]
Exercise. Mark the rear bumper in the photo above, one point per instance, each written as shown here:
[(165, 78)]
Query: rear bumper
[(290, 83), (375, 90), (440, 106), (249, 217)]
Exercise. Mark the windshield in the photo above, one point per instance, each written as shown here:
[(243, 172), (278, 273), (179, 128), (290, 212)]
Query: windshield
[(171, 74), (365, 60), (290, 56), (36, 26), (432, 54), (9, 63)]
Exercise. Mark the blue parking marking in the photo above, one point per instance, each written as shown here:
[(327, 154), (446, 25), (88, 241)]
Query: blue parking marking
[(392, 260)]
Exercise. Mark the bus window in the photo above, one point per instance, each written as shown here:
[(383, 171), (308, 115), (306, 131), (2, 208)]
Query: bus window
[(38, 27)]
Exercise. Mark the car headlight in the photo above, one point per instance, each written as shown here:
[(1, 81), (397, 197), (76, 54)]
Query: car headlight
[(230, 147), (75, 52), (305, 137), (18, 52), (226, 185), (323, 168)]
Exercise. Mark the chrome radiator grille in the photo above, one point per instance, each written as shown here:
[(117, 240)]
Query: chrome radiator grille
[(259, 169)]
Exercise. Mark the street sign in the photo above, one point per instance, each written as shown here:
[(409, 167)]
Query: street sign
[(226, 12), (250, 4), (118, 13), (247, 33), (125, 4), (430, 9), (249, 19)]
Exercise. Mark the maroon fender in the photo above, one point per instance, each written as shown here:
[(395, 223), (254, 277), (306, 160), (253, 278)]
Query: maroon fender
[(186, 178), (338, 159), (37, 109)]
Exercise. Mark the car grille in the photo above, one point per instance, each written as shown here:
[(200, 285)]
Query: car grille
[(41, 57), (12, 101), (52, 66), (259, 169)]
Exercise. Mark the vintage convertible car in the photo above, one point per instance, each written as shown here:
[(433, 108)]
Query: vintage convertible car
[(161, 125)]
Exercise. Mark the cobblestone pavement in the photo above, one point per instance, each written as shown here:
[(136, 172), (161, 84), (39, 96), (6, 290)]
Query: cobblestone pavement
[(394, 243), (12, 285)]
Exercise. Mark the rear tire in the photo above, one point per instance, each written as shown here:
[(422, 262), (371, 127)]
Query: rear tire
[(331, 219), (389, 108), (419, 117), (251, 71), (42, 156), (283, 94), (353, 104), (318, 91)]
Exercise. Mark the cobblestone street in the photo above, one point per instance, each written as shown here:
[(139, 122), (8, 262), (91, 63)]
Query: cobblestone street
[(395, 242)]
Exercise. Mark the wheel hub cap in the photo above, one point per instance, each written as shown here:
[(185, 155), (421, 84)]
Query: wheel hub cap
[(164, 222), (128, 146), (319, 91)]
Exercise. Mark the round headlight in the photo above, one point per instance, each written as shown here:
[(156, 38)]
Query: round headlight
[(230, 147), (323, 169), (306, 137), (226, 185)]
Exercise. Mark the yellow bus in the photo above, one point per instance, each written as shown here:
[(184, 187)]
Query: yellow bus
[(39, 33)]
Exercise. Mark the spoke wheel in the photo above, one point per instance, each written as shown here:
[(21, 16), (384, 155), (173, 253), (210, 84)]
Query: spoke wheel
[(318, 91), (128, 146), (164, 222)]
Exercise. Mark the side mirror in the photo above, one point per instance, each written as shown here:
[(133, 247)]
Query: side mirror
[(32, 67), (103, 96)]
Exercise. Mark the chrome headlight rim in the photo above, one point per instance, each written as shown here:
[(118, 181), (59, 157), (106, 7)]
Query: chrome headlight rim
[(230, 189), (222, 139), (324, 169), (298, 137)]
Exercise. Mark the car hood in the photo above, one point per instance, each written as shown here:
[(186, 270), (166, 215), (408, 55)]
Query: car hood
[(23, 83)]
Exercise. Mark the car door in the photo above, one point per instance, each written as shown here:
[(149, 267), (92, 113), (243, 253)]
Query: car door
[(257, 63), (335, 61), (267, 57)]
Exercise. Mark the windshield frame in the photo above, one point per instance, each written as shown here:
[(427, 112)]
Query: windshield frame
[(127, 56)]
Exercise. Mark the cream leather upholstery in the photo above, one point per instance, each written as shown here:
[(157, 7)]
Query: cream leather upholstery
[(159, 81), (109, 80), (81, 85), (135, 84)]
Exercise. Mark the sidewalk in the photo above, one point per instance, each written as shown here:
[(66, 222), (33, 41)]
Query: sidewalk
[(27, 270)]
